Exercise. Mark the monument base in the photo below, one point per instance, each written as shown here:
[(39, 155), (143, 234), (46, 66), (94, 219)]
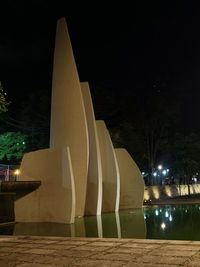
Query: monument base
[(54, 200)]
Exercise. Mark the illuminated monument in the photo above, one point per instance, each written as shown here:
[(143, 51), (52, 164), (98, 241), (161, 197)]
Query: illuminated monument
[(80, 173)]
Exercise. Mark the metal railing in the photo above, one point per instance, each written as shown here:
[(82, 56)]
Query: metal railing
[(9, 172)]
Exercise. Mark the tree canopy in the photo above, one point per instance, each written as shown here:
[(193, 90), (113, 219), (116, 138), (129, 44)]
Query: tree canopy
[(3, 103)]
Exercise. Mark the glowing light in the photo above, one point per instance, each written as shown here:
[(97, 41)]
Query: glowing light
[(143, 173), (167, 170), (166, 214), (23, 143), (17, 172), (160, 167), (145, 217), (146, 195), (163, 225), (160, 210), (170, 218), (156, 212), (156, 192), (155, 174), (168, 191), (164, 172)]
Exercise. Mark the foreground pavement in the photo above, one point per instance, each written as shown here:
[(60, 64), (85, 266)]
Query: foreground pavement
[(38, 251)]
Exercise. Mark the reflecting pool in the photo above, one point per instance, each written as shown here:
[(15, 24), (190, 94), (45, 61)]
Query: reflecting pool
[(180, 222)]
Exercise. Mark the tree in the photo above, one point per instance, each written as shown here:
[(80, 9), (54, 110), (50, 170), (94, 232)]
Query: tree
[(12, 146), (3, 103), (30, 116), (185, 156), (145, 124), (158, 119)]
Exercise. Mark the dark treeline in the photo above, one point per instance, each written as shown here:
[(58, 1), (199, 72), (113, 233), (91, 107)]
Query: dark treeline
[(150, 127)]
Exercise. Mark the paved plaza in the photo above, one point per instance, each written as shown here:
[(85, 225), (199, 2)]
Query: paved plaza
[(24, 251)]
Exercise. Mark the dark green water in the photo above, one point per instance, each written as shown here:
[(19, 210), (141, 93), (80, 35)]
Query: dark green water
[(165, 222)]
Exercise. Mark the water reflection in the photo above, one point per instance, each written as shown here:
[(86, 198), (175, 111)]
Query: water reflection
[(166, 222), (173, 222), (132, 224), (125, 224)]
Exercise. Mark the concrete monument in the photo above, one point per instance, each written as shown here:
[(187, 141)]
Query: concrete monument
[(110, 170), (131, 181), (54, 200), (94, 176), (68, 118), (79, 173)]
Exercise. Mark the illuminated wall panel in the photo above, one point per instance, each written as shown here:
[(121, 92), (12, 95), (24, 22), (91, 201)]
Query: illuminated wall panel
[(94, 178), (54, 200), (110, 170), (68, 118), (131, 181)]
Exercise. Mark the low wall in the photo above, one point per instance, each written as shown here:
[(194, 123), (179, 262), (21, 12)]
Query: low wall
[(165, 191), (6, 207)]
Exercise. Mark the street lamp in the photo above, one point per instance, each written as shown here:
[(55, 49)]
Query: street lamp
[(17, 172), (160, 172), (160, 167)]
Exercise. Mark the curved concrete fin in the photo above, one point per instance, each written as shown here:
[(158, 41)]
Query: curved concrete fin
[(94, 179), (54, 200), (131, 181), (68, 118), (110, 170)]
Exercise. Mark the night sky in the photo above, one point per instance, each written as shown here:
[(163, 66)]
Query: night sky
[(152, 46)]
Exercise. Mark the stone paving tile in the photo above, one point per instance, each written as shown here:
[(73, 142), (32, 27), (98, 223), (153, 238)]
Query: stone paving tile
[(57, 246), (161, 259), (53, 260), (3, 239), (103, 243), (22, 257), (103, 263), (3, 254), (178, 253), (28, 245), (59, 238), (35, 265), (7, 244), (16, 241), (6, 263), (136, 245), (133, 264), (128, 250), (115, 256), (90, 248), (40, 251), (76, 243), (194, 243), (193, 263), (149, 241), (181, 242), (74, 253), (183, 247), (11, 249), (60, 261), (44, 241), (84, 239), (27, 238), (25, 251)]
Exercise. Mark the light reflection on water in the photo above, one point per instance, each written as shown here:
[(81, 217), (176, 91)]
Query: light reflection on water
[(165, 222)]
